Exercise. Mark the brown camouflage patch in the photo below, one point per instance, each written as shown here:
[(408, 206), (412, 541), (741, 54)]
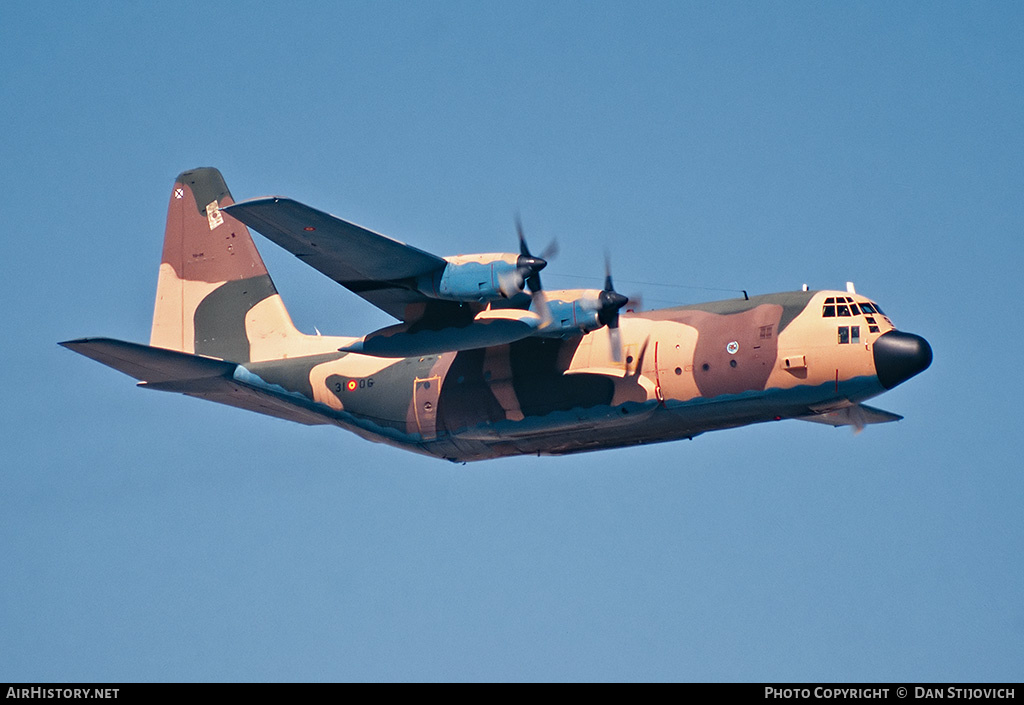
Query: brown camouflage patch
[(734, 353)]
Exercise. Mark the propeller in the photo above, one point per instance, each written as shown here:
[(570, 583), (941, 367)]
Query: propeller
[(608, 314), (529, 266), (635, 303), (639, 367), (857, 417)]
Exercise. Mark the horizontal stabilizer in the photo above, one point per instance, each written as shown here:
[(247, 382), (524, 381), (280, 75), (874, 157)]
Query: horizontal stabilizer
[(225, 390), (195, 376), (149, 364), (857, 415)]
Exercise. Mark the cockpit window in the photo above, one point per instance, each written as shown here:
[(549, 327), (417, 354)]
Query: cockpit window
[(845, 306)]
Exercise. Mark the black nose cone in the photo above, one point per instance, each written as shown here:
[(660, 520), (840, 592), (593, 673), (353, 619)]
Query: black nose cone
[(900, 356)]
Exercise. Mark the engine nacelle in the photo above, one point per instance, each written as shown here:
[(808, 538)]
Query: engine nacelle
[(571, 311), (482, 278)]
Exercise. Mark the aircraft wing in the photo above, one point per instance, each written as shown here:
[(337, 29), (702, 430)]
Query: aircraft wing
[(488, 328), (857, 416), (371, 265)]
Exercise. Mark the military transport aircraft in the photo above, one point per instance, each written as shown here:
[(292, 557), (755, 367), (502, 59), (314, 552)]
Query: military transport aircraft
[(485, 362)]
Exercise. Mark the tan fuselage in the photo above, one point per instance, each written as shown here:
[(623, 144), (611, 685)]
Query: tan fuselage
[(683, 371), (221, 332)]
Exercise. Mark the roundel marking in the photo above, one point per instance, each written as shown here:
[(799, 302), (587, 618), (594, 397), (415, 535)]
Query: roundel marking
[(351, 385), (732, 348)]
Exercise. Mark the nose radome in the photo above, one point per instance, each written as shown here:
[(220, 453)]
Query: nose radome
[(899, 356)]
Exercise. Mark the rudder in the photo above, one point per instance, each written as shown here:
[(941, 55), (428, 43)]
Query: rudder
[(214, 294)]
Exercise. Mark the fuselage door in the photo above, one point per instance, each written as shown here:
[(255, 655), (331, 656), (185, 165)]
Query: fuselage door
[(673, 361), (424, 399)]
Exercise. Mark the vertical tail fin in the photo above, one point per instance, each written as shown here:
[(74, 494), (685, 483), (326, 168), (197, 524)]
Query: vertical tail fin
[(214, 296)]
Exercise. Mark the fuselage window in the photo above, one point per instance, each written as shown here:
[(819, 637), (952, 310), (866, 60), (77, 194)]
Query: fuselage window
[(844, 335), (854, 334), (872, 329)]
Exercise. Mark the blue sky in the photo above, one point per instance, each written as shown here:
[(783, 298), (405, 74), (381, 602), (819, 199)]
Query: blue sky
[(148, 536)]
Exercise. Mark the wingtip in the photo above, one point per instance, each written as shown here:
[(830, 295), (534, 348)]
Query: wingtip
[(70, 344)]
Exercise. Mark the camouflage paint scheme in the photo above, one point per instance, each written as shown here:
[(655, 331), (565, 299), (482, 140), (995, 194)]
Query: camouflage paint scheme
[(221, 332)]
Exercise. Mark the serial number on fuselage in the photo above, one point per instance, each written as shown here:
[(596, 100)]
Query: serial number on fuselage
[(354, 384)]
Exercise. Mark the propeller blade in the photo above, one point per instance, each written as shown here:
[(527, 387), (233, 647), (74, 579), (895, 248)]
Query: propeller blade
[(858, 419), (523, 249), (611, 301), (528, 265), (551, 251), (640, 357), (615, 340), (540, 306), (511, 283)]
